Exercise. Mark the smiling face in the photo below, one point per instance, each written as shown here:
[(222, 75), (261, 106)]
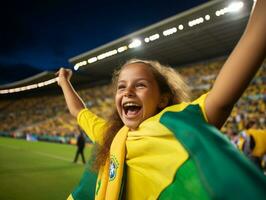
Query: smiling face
[(137, 96)]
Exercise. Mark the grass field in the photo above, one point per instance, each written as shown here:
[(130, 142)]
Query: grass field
[(37, 170)]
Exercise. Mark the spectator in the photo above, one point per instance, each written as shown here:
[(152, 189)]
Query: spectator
[(81, 142), (252, 142)]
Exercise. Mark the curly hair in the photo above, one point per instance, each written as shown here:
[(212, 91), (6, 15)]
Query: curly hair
[(169, 82)]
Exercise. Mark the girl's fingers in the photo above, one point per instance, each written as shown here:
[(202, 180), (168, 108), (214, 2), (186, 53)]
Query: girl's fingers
[(61, 70)]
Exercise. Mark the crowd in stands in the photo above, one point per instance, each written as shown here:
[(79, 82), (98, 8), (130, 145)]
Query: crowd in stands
[(47, 117)]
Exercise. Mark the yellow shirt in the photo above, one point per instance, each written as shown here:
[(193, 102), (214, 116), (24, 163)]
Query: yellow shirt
[(153, 153), (259, 136)]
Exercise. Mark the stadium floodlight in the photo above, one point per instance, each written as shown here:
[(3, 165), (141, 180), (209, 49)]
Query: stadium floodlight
[(154, 37), (169, 31), (107, 54), (121, 49), (217, 13), (135, 43), (11, 90), (196, 21), (33, 86), (16, 89), (76, 67), (180, 27), (83, 63), (29, 87), (101, 56), (146, 40), (207, 17), (41, 84), (111, 53), (53, 80), (92, 60), (23, 88), (3, 91), (235, 6)]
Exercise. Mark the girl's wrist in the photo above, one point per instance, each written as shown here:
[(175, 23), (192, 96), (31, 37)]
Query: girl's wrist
[(64, 81)]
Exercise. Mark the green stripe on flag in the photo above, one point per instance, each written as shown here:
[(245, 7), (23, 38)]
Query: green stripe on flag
[(86, 188), (186, 179), (224, 172)]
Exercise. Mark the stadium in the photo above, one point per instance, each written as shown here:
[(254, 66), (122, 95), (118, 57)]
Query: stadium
[(38, 134)]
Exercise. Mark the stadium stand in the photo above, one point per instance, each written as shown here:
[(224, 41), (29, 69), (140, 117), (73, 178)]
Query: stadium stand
[(47, 118), (195, 42)]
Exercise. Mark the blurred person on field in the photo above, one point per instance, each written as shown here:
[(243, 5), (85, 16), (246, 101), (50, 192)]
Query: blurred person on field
[(81, 142)]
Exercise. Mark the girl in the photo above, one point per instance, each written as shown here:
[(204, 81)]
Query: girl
[(158, 144)]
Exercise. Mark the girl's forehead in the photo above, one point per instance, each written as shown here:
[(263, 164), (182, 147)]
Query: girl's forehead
[(137, 69)]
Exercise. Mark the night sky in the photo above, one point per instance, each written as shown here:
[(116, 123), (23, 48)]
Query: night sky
[(43, 34)]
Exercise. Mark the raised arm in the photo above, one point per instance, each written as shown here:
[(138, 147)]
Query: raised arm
[(239, 69), (73, 100)]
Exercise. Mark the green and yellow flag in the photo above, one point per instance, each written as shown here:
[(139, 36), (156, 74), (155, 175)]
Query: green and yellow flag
[(175, 155)]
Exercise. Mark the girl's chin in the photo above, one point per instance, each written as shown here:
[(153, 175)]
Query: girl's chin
[(132, 125)]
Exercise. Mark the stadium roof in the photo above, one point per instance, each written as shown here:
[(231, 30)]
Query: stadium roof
[(212, 38), (201, 33)]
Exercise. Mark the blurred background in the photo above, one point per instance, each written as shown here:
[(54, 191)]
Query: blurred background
[(37, 133)]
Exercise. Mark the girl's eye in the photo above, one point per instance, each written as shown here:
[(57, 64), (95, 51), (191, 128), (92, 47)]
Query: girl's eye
[(140, 85), (121, 87)]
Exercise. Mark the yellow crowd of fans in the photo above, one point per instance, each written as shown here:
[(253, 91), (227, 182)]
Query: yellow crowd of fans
[(48, 115)]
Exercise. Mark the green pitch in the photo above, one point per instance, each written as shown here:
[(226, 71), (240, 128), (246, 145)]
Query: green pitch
[(37, 170)]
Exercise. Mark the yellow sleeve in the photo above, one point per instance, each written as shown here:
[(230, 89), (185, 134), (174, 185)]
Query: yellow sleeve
[(201, 102), (93, 125)]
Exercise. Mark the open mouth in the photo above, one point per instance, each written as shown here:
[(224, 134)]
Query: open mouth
[(131, 109)]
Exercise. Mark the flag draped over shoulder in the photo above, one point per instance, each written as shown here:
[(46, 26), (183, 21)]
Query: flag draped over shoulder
[(215, 168), (174, 155), (86, 186)]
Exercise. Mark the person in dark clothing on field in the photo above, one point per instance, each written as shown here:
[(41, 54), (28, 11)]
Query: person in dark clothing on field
[(81, 141)]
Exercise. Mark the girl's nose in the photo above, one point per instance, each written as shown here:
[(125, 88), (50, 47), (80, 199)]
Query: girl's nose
[(129, 92)]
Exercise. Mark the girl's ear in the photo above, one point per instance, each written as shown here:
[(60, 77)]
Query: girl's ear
[(164, 101)]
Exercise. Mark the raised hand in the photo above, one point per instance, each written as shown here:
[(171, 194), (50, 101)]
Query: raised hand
[(63, 75)]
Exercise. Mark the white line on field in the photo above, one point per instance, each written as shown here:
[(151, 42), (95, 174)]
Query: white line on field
[(40, 153), (52, 156), (9, 146)]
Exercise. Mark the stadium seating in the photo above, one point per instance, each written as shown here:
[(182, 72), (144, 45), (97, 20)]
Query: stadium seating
[(47, 117)]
